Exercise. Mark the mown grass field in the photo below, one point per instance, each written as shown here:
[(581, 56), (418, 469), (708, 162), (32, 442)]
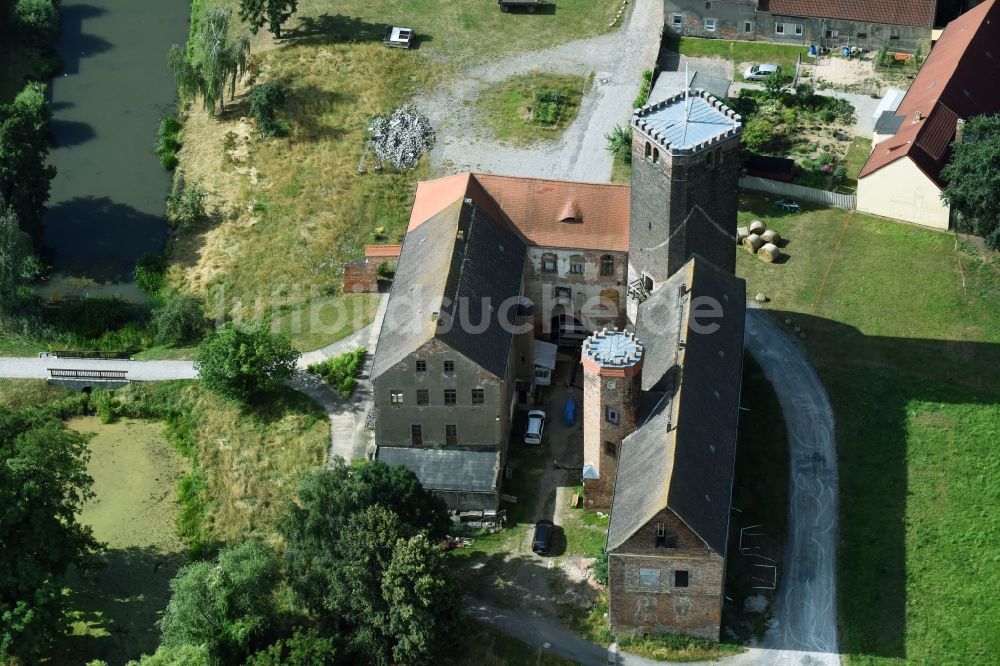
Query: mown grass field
[(856, 157), (739, 52), (902, 326), (508, 108)]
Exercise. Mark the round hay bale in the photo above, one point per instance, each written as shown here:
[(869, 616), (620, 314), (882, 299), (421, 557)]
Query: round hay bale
[(752, 243), (761, 297), (757, 227), (741, 233), (769, 253), (771, 236)]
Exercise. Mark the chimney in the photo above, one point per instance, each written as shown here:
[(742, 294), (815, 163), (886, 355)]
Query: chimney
[(959, 126)]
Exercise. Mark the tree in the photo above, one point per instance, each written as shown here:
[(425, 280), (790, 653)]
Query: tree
[(265, 99), (619, 143), (214, 62), (185, 655), (241, 362), (43, 486), (773, 85), (304, 648), (973, 179), (271, 12), (18, 264), (225, 606), (422, 599), (25, 176), (179, 318), (327, 500), (37, 20), (757, 132)]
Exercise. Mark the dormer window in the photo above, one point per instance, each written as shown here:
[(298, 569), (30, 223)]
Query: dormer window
[(570, 213)]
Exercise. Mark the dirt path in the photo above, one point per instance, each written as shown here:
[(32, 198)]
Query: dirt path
[(617, 61)]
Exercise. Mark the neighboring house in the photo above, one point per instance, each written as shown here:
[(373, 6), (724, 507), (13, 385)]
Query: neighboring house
[(678, 392), (905, 25), (902, 177)]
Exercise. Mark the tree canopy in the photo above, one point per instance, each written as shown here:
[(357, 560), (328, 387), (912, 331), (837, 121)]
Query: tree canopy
[(272, 12), (213, 62), (973, 179), (18, 264), (242, 362), (43, 485), (25, 176)]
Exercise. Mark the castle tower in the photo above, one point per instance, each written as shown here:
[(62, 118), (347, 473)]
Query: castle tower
[(612, 381), (685, 176)]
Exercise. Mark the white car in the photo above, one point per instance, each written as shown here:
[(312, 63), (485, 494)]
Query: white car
[(536, 423), (760, 72)]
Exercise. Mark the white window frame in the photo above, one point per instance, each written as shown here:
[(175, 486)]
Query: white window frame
[(779, 28), (710, 28), (747, 27), (612, 415), (677, 20), (798, 29)]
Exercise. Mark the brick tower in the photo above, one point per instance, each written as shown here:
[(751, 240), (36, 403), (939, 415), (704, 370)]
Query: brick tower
[(612, 381), (685, 175)]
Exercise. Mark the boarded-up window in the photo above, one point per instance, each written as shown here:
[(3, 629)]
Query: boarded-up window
[(649, 578), (607, 265)]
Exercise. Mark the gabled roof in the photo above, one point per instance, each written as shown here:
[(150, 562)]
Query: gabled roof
[(471, 471), (919, 13), (683, 455), (958, 80), (546, 213), (459, 265)]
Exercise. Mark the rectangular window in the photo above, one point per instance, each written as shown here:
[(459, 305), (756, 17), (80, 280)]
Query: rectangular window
[(708, 5), (548, 263), (451, 435), (680, 579), (612, 416), (450, 396), (478, 396), (396, 397), (779, 28), (862, 35), (649, 578), (421, 366), (677, 20), (710, 24), (576, 268), (610, 449), (663, 538), (564, 292), (423, 397), (607, 265), (747, 27), (416, 435), (449, 367), (798, 29)]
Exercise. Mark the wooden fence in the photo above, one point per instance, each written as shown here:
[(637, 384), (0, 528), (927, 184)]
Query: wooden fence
[(848, 201)]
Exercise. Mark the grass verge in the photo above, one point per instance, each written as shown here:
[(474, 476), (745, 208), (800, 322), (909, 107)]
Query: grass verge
[(857, 155), (901, 325), (533, 107)]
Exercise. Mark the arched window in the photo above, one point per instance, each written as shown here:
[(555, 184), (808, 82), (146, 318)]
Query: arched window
[(607, 265), (656, 156), (577, 264), (648, 151)]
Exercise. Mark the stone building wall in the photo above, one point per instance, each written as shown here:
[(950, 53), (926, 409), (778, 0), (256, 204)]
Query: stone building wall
[(361, 276), (644, 591)]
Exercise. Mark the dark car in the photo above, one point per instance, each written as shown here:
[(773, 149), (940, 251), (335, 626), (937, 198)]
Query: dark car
[(543, 535)]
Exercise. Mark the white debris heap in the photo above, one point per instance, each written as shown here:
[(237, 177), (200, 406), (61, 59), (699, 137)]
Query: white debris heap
[(399, 138)]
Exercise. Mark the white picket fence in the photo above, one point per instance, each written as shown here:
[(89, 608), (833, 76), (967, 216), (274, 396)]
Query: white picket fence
[(848, 201)]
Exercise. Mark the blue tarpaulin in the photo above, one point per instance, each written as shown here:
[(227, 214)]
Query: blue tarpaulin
[(569, 412)]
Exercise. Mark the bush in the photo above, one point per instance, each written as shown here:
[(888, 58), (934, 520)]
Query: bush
[(546, 107), (304, 648), (600, 568), (242, 362), (188, 206), (37, 20), (619, 143), (757, 132), (191, 491), (341, 371), (265, 100), (647, 84), (151, 273), (168, 141), (839, 174), (91, 317), (179, 318)]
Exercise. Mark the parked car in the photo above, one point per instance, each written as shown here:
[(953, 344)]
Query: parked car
[(788, 204), (760, 72), (543, 536), (400, 38), (536, 423)]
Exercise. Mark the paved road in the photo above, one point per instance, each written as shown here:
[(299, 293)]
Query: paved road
[(616, 59), (32, 368)]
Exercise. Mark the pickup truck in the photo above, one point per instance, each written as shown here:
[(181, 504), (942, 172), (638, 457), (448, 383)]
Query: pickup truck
[(529, 5)]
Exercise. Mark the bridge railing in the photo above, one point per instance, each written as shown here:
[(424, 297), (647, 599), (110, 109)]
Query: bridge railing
[(85, 354), (107, 375)]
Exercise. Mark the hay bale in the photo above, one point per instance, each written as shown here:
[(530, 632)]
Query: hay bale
[(771, 236), (769, 253), (752, 243), (741, 233), (757, 227)]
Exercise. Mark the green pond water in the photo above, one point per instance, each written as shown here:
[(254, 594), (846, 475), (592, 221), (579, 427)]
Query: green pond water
[(107, 200)]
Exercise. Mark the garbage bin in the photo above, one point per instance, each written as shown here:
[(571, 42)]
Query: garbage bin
[(812, 50)]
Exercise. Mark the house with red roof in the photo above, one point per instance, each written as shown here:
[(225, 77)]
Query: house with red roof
[(903, 25), (902, 177)]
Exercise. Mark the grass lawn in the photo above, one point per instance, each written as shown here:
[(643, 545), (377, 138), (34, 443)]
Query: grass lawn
[(511, 110), (621, 172), (739, 53), (464, 30), (322, 321), (901, 324), (857, 155)]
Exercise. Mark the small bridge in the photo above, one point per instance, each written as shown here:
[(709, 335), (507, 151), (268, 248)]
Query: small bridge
[(90, 375)]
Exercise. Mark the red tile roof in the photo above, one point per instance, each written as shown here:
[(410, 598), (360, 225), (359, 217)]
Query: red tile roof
[(918, 13), (548, 213), (958, 80)]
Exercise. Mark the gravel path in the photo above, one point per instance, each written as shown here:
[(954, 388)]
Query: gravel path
[(616, 59), (146, 371)]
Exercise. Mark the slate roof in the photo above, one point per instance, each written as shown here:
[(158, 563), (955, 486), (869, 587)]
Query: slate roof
[(683, 455), (958, 80), (919, 13), (461, 264), (473, 471), (537, 208), (687, 123)]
